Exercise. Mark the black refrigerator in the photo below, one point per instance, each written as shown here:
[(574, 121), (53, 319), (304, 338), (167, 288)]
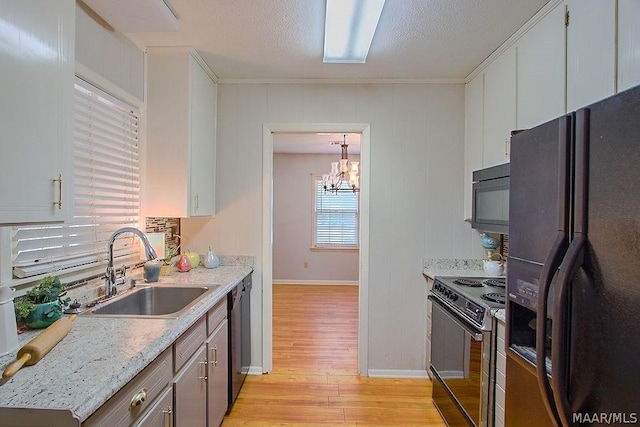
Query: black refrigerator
[(573, 311)]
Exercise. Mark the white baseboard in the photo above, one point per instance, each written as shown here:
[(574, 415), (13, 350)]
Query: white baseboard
[(255, 370), (396, 373), (315, 282)]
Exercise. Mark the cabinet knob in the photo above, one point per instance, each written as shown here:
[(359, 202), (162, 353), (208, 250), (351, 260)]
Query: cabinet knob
[(138, 398)]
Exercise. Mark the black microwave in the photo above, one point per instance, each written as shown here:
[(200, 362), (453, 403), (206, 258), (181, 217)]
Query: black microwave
[(490, 203)]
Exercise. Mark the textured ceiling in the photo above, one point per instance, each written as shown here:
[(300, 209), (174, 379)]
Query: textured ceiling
[(283, 39)]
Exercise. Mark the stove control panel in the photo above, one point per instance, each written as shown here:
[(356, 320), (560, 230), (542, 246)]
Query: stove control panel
[(459, 302)]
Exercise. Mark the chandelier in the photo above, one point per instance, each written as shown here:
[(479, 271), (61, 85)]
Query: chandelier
[(343, 171)]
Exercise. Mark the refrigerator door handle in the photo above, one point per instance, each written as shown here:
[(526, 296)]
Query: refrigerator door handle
[(551, 263), (559, 350), (568, 269)]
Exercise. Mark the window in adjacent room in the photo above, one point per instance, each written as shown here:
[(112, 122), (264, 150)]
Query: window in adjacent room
[(106, 182), (335, 218)]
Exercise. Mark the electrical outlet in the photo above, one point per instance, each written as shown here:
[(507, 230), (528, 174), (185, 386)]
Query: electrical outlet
[(306, 264)]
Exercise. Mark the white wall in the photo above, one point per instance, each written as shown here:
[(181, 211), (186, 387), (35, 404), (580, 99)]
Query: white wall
[(417, 157), (292, 223)]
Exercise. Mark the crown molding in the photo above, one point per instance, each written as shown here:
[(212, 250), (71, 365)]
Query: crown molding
[(232, 81)]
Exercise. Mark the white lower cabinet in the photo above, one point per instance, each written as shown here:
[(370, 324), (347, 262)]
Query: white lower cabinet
[(217, 374), (134, 399), (190, 391), (161, 413), (187, 385)]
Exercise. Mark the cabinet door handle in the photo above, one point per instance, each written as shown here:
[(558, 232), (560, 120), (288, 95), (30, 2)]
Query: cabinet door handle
[(59, 181), (214, 350), (169, 413), (138, 398), (205, 365), (507, 146), (197, 200)]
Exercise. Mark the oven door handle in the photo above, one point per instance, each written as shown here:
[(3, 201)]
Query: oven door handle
[(475, 333)]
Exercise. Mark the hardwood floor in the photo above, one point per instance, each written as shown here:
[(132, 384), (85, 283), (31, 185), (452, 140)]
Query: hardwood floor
[(314, 379)]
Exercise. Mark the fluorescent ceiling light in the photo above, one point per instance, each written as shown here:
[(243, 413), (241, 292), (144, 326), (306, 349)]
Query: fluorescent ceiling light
[(348, 29)]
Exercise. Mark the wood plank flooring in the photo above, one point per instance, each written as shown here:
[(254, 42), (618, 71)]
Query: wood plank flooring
[(314, 379)]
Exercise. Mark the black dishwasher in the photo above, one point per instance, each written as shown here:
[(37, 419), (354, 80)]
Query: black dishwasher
[(239, 306)]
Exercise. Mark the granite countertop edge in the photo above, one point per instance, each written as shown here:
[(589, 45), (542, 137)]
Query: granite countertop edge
[(115, 351)]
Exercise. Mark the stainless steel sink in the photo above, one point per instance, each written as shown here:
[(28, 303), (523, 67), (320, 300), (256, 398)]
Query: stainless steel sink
[(152, 302)]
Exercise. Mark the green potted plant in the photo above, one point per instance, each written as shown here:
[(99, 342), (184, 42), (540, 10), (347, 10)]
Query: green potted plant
[(169, 253), (42, 305)]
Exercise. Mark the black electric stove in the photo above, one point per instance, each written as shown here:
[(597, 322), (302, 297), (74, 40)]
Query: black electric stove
[(473, 298)]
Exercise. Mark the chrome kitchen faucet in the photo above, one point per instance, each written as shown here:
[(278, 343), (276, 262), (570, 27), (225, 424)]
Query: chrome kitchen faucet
[(111, 281)]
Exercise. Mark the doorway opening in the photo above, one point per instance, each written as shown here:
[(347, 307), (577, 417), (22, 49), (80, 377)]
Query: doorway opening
[(271, 131), (315, 253)]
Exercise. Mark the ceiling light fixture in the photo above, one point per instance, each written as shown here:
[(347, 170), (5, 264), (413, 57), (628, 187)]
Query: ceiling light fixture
[(348, 29), (342, 172)]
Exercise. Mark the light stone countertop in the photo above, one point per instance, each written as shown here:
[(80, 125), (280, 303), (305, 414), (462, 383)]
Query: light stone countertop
[(100, 355), (500, 314), (454, 268)]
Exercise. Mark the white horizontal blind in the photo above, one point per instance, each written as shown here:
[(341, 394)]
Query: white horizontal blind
[(336, 217), (106, 186)]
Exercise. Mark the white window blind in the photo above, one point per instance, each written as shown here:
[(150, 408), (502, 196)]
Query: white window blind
[(336, 217), (106, 182)]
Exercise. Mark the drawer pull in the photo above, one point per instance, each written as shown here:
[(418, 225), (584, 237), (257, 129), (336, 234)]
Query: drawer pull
[(169, 412), (138, 398)]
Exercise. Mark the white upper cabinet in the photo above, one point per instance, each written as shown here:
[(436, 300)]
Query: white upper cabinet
[(36, 110), (499, 108), (181, 135), (628, 44), (591, 50), (541, 71), (474, 109)]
